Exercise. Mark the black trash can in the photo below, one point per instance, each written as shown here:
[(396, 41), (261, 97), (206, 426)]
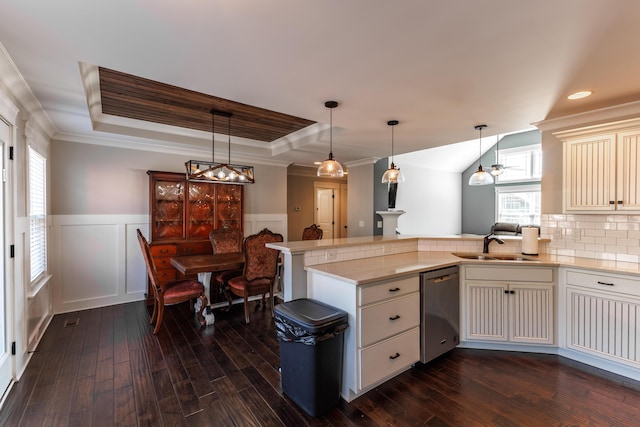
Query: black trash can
[(311, 342)]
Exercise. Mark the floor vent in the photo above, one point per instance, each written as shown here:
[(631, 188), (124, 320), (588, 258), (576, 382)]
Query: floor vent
[(71, 322)]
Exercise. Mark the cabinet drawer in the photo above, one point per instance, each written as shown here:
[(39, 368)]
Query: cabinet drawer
[(382, 320), (387, 357), (603, 282), (167, 275), (510, 274), (162, 262), (163, 250), (390, 289), (194, 248)]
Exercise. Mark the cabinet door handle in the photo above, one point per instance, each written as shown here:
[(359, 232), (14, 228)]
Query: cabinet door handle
[(395, 356), (611, 202), (396, 317), (509, 292), (394, 290), (619, 202), (605, 283)]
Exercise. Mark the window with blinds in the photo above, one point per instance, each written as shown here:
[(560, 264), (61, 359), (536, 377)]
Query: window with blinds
[(37, 213)]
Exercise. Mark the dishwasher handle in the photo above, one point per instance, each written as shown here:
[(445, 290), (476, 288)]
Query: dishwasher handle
[(445, 278)]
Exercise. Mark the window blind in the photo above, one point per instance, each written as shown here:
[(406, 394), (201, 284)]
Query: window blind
[(37, 213)]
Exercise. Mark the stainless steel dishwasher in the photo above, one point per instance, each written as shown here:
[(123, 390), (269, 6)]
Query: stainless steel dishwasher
[(440, 311)]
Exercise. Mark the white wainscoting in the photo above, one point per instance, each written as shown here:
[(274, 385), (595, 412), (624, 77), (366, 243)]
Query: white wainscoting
[(254, 223), (96, 260)]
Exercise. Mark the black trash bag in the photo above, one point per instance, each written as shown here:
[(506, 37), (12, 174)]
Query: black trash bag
[(290, 332)]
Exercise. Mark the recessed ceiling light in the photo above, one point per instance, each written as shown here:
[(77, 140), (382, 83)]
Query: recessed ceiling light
[(580, 94)]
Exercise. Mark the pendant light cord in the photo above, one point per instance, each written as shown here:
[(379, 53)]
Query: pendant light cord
[(331, 133), (229, 132), (480, 156), (392, 144), (213, 136)]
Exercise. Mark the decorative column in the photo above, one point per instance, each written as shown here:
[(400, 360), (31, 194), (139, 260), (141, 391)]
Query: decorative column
[(389, 221)]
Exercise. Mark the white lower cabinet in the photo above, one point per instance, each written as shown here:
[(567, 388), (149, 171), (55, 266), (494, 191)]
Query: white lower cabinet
[(383, 337), (508, 304), (603, 316)]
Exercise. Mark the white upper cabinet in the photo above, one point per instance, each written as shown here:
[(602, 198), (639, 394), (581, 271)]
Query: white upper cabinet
[(601, 167)]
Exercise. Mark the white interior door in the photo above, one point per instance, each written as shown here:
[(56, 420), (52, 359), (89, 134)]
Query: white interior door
[(324, 214), (6, 368)]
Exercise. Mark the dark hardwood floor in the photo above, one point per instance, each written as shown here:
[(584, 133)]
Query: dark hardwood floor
[(110, 369)]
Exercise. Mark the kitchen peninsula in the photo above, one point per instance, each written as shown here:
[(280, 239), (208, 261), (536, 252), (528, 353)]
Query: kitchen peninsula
[(590, 307)]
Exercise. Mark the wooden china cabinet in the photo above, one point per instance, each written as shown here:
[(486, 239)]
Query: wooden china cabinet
[(182, 213)]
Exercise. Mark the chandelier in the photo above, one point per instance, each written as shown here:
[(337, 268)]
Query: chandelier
[(224, 173)]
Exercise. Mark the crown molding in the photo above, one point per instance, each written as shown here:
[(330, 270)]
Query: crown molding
[(28, 103), (615, 112), (165, 147)]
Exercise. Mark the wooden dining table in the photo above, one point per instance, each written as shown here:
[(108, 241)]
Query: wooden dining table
[(204, 266)]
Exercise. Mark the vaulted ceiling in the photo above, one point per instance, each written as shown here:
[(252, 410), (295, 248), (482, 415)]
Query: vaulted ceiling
[(438, 67)]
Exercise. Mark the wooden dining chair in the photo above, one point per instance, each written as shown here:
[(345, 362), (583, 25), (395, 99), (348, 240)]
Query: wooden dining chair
[(172, 292), (224, 240), (312, 232), (260, 269)]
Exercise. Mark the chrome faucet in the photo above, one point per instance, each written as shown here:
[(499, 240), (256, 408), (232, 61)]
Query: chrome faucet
[(487, 240)]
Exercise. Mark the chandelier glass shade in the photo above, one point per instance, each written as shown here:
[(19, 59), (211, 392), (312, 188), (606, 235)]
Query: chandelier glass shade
[(393, 174), (480, 177), (330, 168), (224, 173)]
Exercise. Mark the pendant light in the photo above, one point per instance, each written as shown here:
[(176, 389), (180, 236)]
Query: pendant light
[(224, 173), (480, 177), (497, 168), (393, 174), (330, 168)]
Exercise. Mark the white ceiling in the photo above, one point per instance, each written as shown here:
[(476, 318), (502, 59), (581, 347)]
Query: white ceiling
[(439, 67)]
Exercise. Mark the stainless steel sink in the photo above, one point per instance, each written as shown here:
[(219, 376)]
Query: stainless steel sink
[(494, 257), (473, 256)]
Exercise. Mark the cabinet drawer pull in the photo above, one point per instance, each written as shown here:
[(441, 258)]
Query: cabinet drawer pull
[(394, 290), (395, 356), (605, 283), (620, 202), (611, 202), (164, 251), (396, 317)]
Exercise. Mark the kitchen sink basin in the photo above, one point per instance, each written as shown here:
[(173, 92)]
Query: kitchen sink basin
[(494, 257)]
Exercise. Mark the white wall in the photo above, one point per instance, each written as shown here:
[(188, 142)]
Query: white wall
[(431, 200)]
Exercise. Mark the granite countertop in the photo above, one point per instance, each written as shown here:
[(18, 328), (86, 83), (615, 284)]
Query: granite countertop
[(367, 270)]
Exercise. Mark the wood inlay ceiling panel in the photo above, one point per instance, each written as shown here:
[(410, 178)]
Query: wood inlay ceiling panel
[(137, 98)]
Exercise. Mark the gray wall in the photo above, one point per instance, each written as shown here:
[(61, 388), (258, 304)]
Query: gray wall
[(380, 193), (91, 179), (479, 202), (360, 199)]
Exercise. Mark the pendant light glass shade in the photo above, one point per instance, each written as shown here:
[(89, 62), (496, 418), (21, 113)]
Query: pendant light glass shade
[(480, 177), (497, 168), (224, 173), (330, 168), (393, 174)]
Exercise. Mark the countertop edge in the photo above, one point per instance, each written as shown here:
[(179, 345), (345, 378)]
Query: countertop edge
[(361, 271)]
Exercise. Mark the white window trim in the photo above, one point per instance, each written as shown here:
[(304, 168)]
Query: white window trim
[(515, 150), (514, 189)]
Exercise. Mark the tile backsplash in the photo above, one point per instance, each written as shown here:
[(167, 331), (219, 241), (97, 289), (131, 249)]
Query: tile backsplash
[(610, 237)]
